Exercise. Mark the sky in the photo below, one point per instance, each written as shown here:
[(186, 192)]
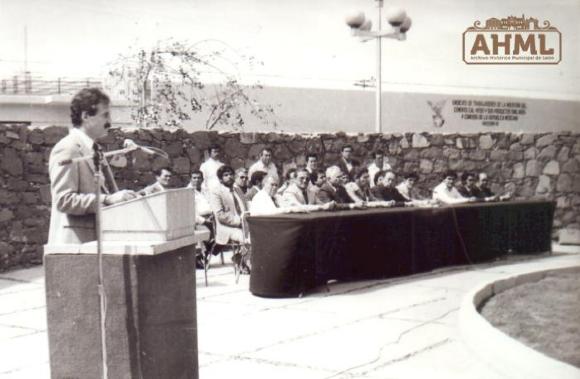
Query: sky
[(302, 43)]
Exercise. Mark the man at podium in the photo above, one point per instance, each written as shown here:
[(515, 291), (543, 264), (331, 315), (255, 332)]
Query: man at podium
[(72, 183)]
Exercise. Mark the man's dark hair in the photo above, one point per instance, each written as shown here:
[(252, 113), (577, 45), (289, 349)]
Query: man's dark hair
[(411, 175), (289, 173), (378, 152), (311, 155), (360, 172), (377, 176), (223, 170), (315, 174), (347, 146), (213, 146), (159, 171), (257, 177), (198, 172), (268, 149), (466, 175), (86, 100), (449, 174)]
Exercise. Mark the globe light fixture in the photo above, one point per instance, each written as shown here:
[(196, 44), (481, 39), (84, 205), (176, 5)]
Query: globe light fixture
[(361, 27)]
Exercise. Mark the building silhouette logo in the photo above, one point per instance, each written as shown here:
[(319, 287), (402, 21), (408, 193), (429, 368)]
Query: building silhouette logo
[(512, 40), (437, 108)]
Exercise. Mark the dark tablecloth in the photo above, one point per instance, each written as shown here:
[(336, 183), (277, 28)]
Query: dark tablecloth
[(292, 253)]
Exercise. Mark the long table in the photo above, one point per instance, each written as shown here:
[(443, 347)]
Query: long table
[(292, 253)]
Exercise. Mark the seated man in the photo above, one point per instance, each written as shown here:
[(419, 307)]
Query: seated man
[(483, 192), (298, 195), (467, 186), (266, 203), (162, 179), (446, 193), (359, 191), (317, 179), (385, 189), (255, 184), (227, 208), (290, 178), (333, 190), (379, 164), (241, 181), (407, 187), (203, 212)]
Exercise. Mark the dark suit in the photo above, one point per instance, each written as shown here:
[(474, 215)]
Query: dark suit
[(388, 194), (328, 193), (482, 193), (343, 167), (466, 192)]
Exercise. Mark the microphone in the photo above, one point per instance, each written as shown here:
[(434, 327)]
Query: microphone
[(129, 143)]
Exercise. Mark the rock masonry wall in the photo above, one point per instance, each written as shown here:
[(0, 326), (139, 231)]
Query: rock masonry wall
[(529, 165)]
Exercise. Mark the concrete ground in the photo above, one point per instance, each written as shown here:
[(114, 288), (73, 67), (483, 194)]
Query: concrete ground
[(398, 328)]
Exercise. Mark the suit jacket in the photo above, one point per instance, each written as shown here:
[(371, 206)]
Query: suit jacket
[(72, 186), (228, 220), (327, 193), (294, 196), (482, 193), (342, 164), (466, 192), (389, 194)]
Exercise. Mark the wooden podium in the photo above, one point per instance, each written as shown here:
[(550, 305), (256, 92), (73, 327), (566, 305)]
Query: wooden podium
[(149, 283)]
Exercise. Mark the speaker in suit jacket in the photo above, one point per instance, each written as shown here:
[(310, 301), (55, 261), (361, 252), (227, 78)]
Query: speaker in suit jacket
[(74, 203)]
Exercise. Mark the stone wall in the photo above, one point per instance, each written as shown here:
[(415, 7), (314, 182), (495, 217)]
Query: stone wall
[(529, 165)]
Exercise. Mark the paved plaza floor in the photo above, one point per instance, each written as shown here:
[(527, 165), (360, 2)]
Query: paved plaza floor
[(397, 328)]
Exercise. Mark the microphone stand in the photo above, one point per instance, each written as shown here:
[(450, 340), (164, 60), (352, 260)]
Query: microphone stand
[(98, 157)]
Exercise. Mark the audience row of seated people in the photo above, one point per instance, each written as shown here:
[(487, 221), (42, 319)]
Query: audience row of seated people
[(223, 196)]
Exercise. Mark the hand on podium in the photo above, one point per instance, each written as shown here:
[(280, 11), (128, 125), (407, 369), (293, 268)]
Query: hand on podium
[(119, 197)]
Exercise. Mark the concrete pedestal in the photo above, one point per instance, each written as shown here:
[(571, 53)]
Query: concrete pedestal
[(151, 327)]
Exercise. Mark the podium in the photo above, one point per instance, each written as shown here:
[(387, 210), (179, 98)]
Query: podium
[(149, 282)]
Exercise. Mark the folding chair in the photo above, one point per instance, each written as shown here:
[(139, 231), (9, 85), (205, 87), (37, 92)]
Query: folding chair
[(240, 252)]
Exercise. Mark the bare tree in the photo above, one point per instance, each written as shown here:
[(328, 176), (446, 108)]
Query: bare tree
[(170, 82)]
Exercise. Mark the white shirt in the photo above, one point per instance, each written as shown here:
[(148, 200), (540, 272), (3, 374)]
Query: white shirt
[(263, 204), (373, 169), (202, 207), (260, 166), (209, 170), (448, 196)]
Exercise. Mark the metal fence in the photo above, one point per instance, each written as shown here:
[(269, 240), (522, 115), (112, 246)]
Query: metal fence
[(39, 85)]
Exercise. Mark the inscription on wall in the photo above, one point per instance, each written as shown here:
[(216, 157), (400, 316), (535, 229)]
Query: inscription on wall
[(489, 113)]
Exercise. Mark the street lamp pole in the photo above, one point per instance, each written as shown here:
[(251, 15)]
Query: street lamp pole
[(361, 27), (378, 95)]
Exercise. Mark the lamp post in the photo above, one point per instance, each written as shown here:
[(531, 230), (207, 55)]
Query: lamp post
[(361, 28)]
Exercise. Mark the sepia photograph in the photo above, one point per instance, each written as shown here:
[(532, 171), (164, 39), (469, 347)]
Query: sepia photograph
[(315, 189)]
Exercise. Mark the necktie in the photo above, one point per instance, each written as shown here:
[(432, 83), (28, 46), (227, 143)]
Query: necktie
[(98, 158), (236, 203), (305, 194)]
